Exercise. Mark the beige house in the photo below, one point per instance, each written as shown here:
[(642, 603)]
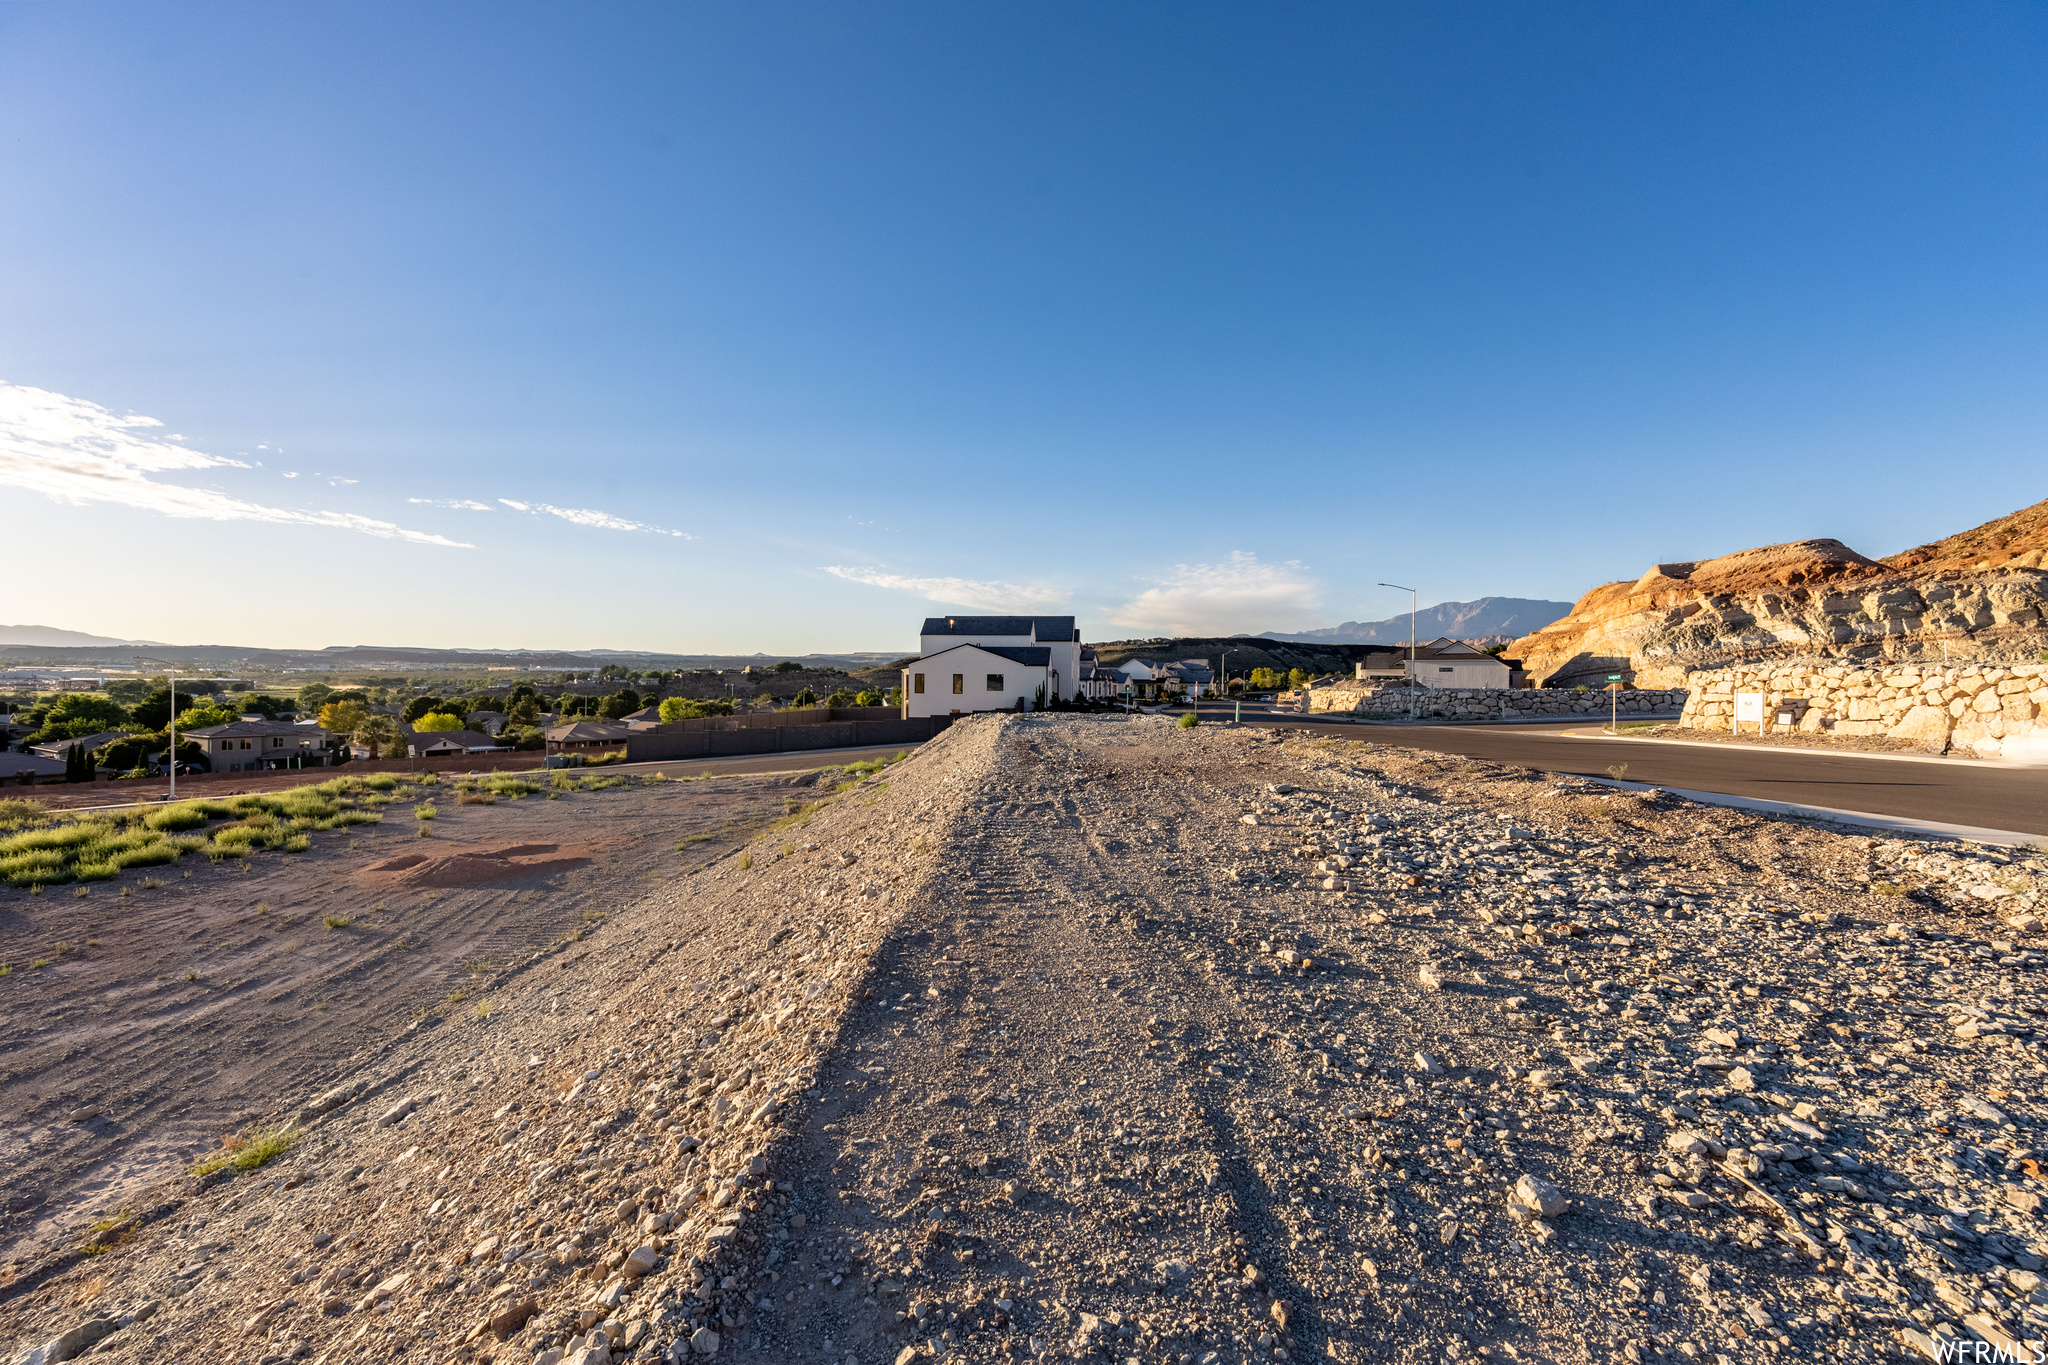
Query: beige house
[(1452, 663), (253, 745)]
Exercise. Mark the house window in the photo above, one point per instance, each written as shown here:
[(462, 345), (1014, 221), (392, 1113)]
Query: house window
[(959, 683), (227, 744), (245, 744), (995, 682), (917, 682)]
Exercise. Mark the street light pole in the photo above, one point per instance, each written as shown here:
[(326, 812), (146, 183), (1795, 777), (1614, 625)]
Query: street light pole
[(171, 678), (1411, 623)]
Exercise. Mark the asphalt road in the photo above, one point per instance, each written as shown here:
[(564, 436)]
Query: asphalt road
[(1986, 795)]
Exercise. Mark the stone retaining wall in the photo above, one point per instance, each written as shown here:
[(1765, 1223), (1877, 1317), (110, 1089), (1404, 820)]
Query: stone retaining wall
[(1935, 707), (1500, 703)]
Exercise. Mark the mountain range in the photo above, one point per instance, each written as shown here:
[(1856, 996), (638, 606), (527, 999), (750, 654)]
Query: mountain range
[(51, 637), (1489, 617)]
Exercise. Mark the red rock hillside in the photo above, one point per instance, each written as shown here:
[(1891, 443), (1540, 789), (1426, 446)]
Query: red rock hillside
[(1982, 594)]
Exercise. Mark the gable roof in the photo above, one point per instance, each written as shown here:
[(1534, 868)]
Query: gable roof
[(459, 739), (588, 730), (254, 729), (56, 747), (1051, 629), (1446, 648), (1031, 656)]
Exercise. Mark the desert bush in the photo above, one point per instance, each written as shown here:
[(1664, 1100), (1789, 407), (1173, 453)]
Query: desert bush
[(426, 810), (248, 1153), (471, 796), (1188, 721)]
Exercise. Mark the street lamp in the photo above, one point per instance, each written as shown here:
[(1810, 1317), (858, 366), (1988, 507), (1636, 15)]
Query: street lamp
[(1411, 622), (171, 678)]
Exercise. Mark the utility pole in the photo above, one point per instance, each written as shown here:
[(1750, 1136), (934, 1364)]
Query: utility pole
[(1411, 626)]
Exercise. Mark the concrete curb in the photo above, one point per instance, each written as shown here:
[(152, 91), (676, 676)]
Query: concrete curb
[(1835, 815)]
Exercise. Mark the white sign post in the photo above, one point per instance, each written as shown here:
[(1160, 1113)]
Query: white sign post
[(1748, 706)]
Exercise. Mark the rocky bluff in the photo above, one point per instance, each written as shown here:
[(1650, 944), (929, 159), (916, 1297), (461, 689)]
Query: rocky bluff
[(1979, 595)]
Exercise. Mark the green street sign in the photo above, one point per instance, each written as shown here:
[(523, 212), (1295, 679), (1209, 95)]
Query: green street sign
[(1614, 677)]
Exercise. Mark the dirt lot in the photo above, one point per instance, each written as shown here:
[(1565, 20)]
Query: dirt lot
[(179, 1013), (1094, 1038)]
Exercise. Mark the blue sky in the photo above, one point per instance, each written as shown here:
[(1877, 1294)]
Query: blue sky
[(785, 325)]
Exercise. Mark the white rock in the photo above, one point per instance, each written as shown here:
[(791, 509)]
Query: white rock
[(1539, 1196), (704, 1342), (1428, 1065)]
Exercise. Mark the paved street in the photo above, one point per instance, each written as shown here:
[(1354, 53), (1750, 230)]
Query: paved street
[(1988, 795)]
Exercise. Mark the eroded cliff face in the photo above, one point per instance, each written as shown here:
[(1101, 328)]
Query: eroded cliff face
[(1982, 594)]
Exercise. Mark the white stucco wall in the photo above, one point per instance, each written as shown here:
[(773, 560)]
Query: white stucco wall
[(973, 665)]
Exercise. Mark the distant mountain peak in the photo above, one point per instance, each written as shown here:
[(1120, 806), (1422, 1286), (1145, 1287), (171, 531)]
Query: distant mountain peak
[(50, 637), (1507, 617)]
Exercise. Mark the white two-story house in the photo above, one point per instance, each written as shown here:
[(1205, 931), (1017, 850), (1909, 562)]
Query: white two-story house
[(991, 663)]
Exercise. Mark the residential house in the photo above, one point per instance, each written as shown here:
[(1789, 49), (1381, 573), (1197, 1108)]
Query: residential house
[(1162, 678), (29, 769), (489, 722), (255, 745), (450, 743), (583, 735), (56, 747), (992, 663), (1096, 682), (1445, 662)]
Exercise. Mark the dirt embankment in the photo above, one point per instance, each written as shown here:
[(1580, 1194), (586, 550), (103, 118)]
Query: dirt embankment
[(1081, 1037)]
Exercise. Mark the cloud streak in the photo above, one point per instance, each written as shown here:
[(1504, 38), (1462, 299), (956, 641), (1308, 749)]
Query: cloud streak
[(960, 592), (1239, 593), (459, 504), (76, 452), (584, 516)]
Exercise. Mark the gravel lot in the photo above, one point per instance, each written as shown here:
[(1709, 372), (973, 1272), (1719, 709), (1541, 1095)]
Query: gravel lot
[(1095, 1038)]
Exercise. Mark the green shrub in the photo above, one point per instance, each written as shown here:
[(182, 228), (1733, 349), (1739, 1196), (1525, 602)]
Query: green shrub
[(425, 810), (1188, 721)]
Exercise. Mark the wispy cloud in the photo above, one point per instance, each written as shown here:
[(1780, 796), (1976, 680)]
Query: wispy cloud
[(77, 452), (459, 504), (584, 516), (1240, 593), (960, 592)]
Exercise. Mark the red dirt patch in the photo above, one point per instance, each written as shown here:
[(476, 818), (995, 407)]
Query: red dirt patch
[(457, 867)]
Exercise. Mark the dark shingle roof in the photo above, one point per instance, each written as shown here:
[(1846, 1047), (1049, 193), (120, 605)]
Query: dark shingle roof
[(1048, 628), (1032, 656)]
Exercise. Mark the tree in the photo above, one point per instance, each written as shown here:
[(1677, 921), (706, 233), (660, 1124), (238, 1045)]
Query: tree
[(204, 716), (1266, 680), (125, 691), (789, 666), (417, 707), (841, 696), (690, 708), (343, 717), (272, 708), (377, 734), (77, 766), (1297, 679), (153, 712), (869, 698), (523, 711), (313, 696), (621, 703), (611, 671), (437, 722), (73, 715), (805, 697)]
